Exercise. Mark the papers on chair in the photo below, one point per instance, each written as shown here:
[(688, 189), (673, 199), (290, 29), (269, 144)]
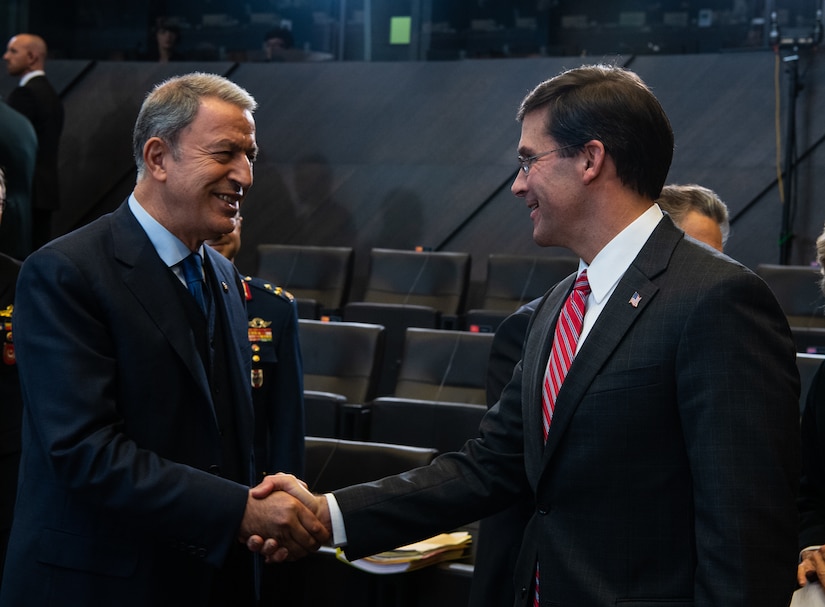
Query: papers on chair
[(443, 547), (810, 595)]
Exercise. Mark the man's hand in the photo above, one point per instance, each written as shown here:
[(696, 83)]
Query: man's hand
[(811, 567), (292, 529), (271, 546)]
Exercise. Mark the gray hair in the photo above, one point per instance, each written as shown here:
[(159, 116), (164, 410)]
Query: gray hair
[(679, 200), (173, 104)]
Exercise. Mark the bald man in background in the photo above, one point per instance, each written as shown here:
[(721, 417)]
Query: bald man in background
[(37, 100)]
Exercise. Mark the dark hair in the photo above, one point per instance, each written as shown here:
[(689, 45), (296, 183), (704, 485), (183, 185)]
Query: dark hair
[(282, 33), (612, 105)]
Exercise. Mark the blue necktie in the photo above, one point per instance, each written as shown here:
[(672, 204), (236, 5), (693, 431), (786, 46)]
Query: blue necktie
[(192, 267)]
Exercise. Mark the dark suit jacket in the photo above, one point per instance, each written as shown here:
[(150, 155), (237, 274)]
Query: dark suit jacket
[(40, 103), (121, 499), (670, 472)]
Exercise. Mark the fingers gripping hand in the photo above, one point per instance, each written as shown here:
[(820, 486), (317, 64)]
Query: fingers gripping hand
[(294, 529)]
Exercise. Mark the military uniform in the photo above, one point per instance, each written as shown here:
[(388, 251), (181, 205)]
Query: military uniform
[(277, 378), (278, 396)]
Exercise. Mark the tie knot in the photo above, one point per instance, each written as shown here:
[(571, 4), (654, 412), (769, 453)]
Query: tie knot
[(192, 267), (582, 284)]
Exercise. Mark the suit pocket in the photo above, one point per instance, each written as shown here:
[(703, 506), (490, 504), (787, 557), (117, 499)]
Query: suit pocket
[(112, 557), (624, 380)]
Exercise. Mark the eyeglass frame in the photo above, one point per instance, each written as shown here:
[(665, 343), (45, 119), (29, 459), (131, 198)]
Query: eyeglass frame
[(525, 164), (2, 203)]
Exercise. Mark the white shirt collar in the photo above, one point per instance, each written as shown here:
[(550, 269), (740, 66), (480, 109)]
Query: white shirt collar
[(31, 75), (612, 261)]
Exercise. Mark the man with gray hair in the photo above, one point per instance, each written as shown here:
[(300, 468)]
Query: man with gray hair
[(134, 360)]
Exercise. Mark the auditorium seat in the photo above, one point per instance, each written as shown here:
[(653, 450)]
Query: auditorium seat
[(395, 318), (320, 578), (341, 362), (318, 277), (797, 288), (443, 365), (341, 357), (332, 464), (513, 280), (444, 426), (438, 279)]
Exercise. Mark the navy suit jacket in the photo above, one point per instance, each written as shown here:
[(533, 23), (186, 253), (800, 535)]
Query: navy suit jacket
[(671, 468), (121, 499)]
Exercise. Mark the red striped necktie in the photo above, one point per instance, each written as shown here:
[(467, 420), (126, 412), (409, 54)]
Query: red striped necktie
[(568, 329)]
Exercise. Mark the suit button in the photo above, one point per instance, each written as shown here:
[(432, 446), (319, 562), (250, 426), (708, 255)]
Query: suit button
[(523, 592), (213, 469)]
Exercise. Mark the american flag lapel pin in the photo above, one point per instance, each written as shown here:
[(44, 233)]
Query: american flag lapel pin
[(634, 301)]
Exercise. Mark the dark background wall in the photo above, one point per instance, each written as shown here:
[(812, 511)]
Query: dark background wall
[(423, 153)]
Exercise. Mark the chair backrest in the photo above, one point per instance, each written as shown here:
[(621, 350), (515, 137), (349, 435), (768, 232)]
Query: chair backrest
[(445, 426), (332, 464), (323, 412), (437, 279), (395, 318), (322, 274), (798, 292), (341, 357), (513, 280), (444, 365)]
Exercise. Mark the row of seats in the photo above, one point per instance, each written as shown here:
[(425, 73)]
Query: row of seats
[(438, 396), (429, 288), (432, 286)]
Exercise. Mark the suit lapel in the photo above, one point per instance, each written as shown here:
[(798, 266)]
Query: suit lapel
[(537, 348), (225, 287), (635, 291), (146, 276)]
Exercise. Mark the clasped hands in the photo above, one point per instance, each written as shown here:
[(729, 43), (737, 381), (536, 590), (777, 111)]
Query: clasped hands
[(284, 520)]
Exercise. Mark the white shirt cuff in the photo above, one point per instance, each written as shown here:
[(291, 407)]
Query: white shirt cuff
[(339, 533)]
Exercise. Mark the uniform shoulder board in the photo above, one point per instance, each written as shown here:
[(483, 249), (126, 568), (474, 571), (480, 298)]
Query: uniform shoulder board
[(258, 283)]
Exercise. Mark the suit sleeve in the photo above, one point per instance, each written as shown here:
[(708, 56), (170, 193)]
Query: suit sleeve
[(456, 488), (71, 370)]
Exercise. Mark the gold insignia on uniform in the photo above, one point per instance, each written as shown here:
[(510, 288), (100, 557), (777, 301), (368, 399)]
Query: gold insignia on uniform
[(8, 340), (259, 330), (225, 287), (257, 378)]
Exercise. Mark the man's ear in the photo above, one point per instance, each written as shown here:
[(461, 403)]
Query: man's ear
[(593, 157), (156, 153)]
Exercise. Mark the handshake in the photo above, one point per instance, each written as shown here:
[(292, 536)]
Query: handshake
[(284, 520)]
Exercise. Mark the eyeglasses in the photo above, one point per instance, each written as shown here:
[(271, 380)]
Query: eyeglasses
[(527, 163)]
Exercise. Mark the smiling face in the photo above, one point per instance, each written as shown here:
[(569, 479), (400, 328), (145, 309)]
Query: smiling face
[(207, 175), (553, 188)]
